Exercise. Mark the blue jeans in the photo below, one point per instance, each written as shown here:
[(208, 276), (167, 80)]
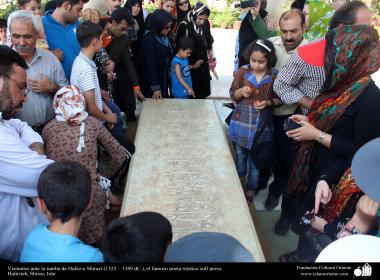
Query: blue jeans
[(118, 127), (244, 160), (117, 130)]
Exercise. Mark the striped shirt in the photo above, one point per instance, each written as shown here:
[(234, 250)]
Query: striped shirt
[(299, 78), (282, 57), (84, 76)]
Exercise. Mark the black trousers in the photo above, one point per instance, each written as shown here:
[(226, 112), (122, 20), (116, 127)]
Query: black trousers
[(125, 97), (282, 166), (201, 81)]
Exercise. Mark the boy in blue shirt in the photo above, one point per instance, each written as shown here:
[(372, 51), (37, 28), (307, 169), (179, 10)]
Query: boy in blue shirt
[(60, 28), (64, 193), (180, 70)]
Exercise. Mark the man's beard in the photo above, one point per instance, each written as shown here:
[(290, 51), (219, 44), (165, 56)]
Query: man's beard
[(6, 108)]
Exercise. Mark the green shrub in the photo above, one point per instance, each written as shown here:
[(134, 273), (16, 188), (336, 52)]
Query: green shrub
[(8, 10), (151, 7), (226, 16)]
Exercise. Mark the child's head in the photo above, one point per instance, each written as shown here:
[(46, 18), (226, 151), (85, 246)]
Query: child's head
[(30, 5), (91, 15), (185, 47), (3, 29), (261, 55), (142, 237), (95, 16), (86, 14), (89, 34), (64, 190)]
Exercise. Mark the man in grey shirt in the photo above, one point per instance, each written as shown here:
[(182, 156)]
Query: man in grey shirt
[(45, 74)]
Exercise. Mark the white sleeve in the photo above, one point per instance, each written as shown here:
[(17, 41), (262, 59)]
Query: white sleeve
[(20, 167), (27, 134)]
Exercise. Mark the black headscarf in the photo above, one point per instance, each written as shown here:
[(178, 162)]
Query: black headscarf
[(298, 4), (139, 18), (159, 20), (181, 14)]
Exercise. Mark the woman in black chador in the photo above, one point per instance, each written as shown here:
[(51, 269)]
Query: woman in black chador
[(196, 26)]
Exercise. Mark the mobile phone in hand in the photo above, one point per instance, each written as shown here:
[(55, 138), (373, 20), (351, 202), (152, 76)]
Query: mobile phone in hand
[(289, 124)]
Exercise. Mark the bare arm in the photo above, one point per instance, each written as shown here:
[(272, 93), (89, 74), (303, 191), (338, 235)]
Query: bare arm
[(38, 147), (177, 69), (93, 110)]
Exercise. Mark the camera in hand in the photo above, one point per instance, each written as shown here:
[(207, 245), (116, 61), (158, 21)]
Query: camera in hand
[(289, 124), (103, 57)]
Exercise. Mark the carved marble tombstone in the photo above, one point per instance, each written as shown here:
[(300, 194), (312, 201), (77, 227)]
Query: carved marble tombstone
[(184, 170)]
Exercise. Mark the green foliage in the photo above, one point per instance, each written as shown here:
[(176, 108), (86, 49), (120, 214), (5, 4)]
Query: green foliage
[(8, 10), (151, 7), (193, 2), (225, 17)]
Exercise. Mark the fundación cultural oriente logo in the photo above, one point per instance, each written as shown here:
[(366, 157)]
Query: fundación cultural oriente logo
[(365, 270)]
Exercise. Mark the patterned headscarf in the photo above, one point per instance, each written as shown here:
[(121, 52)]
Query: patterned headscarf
[(69, 106), (199, 8), (352, 55), (341, 196), (320, 14)]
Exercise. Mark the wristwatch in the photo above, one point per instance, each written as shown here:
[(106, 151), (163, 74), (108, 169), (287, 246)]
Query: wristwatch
[(321, 136)]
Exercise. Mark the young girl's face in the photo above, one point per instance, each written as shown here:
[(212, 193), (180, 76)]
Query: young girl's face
[(32, 6), (168, 6), (136, 9), (258, 62), (95, 17)]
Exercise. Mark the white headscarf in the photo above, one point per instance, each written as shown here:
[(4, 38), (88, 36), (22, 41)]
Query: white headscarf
[(69, 106)]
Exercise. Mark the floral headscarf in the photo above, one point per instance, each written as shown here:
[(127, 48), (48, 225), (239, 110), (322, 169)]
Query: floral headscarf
[(69, 106), (320, 14)]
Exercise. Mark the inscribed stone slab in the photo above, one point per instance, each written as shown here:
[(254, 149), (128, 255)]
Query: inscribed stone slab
[(184, 170)]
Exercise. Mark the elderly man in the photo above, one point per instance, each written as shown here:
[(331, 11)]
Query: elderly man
[(21, 159), (292, 26), (45, 73), (301, 78)]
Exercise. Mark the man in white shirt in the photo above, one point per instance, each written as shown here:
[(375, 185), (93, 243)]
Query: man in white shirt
[(22, 159)]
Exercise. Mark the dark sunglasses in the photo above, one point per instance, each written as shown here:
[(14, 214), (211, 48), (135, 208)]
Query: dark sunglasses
[(168, 27), (183, 3)]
